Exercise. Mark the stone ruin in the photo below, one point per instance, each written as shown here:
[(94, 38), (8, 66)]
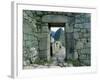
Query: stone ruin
[(36, 35)]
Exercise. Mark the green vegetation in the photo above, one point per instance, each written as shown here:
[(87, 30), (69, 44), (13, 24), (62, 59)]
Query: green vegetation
[(42, 62), (74, 62)]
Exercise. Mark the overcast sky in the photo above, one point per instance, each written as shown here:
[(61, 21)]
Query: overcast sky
[(56, 28)]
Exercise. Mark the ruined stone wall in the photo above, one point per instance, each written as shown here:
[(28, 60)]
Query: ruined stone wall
[(29, 30), (35, 34), (30, 38), (77, 34), (82, 37)]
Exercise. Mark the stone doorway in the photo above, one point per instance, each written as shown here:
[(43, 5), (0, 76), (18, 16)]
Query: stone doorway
[(61, 21)]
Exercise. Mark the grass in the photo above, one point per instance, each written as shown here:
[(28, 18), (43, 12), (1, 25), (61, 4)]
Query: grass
[(74, 62), (42, 62)]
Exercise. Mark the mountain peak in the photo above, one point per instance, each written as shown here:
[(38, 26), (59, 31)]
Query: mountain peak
[(58, 33)]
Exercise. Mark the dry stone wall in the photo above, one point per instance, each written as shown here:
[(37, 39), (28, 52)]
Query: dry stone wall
[(77, 34), (82, 35)]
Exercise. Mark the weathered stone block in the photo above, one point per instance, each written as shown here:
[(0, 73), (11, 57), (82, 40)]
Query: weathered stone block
[(86, 62), (83, 40), (42, 44), (43, 35), (75, 55), (87, 35), (86, 51), (88, 45), (25, 15), (27, 28), (79, 45), (83, 30), (79, 51), (68, 28), (54, 18), (43, 54), (78, 16), (45, 29), (88, 15), (28, 43), (39, 13), (87, 25), (79, 26), (81, 35), (76, 35), (76, 29), (82, 57), (76, 26), (78, 20)]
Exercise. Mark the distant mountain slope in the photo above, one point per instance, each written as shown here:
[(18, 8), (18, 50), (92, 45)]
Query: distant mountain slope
[(58, 34), (52, 34)]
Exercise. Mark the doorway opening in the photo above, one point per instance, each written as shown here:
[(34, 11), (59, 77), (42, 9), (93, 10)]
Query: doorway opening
[(57, 39)]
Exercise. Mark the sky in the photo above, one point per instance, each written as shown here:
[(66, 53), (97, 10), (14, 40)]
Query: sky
[(56, 28)]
